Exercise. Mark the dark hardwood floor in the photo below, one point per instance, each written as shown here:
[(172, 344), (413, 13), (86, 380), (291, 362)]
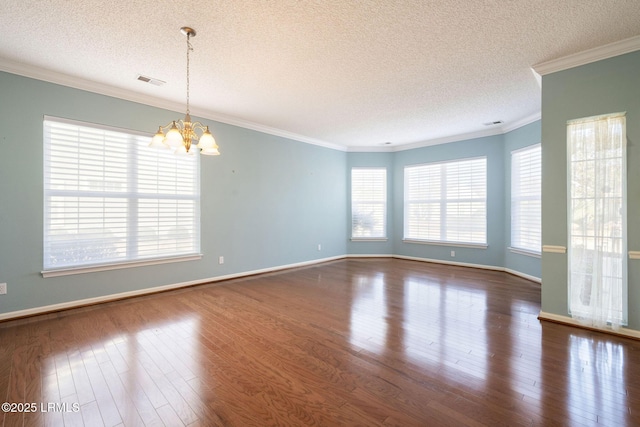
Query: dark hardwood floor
[(357, 342)]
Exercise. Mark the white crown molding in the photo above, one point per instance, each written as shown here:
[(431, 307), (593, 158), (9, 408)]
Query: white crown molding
[(522, 122), (371, 149), (591, 55), (128, 95), (452, 138), (538, 77), (207, 114)]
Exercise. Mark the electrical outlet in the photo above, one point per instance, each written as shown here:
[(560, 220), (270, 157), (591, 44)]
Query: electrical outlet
[(221, 260), (3, 288), (319, 247), (453, 253)]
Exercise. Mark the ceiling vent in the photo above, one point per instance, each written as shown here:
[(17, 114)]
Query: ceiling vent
[(155, 82), (497, 122)]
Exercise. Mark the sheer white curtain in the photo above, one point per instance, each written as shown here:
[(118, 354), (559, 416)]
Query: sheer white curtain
[(597, 220)]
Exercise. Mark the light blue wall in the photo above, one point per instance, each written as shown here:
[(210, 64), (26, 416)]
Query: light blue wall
[(266, 201), (497, 149), (493, 149), (269, 201), (372, 160), (514, 140), (608, 86)]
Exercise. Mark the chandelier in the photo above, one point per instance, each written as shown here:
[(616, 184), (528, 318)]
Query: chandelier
[(182, 135)]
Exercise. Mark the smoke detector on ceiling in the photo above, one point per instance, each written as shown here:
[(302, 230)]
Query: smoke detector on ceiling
[(155, 82)]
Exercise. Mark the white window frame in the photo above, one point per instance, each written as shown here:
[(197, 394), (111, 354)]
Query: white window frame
[(443, 198), (92, 200), (526, 178), (369, 203)]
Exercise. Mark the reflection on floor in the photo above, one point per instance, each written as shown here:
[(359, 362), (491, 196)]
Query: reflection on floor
[(351, 342)]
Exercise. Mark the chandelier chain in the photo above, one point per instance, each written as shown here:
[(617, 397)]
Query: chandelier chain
[(189, 48)]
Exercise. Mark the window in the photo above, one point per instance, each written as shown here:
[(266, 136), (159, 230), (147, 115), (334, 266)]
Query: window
[(597, 219), (368, 203), (446, 202), (526, 172), (110, 199)]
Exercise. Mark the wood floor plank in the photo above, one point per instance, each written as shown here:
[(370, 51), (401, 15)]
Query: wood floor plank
[(104, 399), (375, 342), (122, 396), (198, 401), (33, 380), (140, 400), (91, 414), (51, 395), (70, 410), (169, 416)]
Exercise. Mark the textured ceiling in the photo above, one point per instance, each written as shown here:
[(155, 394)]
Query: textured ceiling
[(345, 73)]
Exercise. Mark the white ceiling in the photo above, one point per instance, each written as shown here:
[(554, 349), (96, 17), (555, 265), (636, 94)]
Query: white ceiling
[(347, 74)]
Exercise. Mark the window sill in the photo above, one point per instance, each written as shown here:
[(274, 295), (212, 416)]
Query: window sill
[(454, 244), (105, 267), (525, 252), (369, 239)]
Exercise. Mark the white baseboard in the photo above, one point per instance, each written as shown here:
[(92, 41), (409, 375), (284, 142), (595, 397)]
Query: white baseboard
[(566, 320), (122, 295), (466, 264), (523, 275), (370, 256)]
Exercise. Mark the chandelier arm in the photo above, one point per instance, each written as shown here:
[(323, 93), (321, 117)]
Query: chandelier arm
[(168, 125), (199, 126)]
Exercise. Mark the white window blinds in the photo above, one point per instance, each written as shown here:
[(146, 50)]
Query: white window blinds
[(446, 202), (108, 198), (526, 173), (368, 202)]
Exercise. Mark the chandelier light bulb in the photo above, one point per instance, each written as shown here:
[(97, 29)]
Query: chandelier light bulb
[(206, 140), (158, 140), (174, 137)]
